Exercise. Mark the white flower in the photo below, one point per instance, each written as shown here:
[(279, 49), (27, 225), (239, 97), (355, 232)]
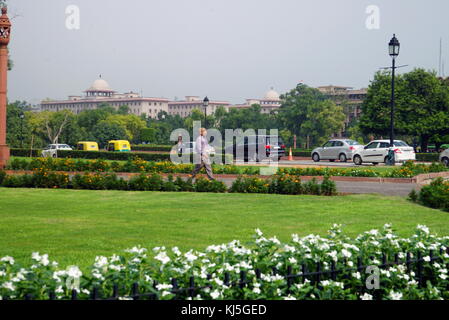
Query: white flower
[(215, 294), (136, 250), (259, 233), (163, 286), (356, 275), (395, 295), (176, 251), (9, 285), (190, 256), (292, 260), (100, 262), (2, 273), (162, 257), (366, 296), (8, 259), (427, 259), (423, 228), (443, 276), (74, 272), (346, 253), (289, 298)]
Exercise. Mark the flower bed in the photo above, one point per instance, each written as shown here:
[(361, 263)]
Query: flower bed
[(277, 184), (310, 267), (136, 164)]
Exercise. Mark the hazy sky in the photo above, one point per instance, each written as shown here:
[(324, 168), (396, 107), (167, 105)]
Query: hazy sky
[(226, 49)]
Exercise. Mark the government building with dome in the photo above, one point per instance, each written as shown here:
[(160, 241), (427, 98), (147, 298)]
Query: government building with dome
[(100, 93)]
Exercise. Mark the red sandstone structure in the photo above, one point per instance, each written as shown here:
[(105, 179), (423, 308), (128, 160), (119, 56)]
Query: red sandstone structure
[(5, 31)]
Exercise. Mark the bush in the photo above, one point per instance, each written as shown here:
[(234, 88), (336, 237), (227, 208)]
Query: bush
[(204, 185), (2, 176), (18, 152), (328, 187), (427, 157), (105, 155), (435, 195), (147, 147), (336, 268), (186, 185), (249, 185)]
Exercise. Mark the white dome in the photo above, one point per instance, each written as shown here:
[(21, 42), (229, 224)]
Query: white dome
[(100, 85), (272, 95)]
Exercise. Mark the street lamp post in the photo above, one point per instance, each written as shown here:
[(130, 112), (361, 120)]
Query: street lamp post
[(22, 117), (393, 48), (205, 105)]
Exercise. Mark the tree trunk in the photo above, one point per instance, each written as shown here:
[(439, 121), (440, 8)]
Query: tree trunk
[(424, 143)]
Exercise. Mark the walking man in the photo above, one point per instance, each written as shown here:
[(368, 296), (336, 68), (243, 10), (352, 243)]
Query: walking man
[(202, 148)]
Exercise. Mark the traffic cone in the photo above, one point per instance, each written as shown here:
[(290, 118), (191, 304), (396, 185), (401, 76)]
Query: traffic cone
[(290, 155)]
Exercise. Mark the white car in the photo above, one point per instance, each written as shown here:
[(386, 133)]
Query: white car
[(444, 157), (336, 149), (377, 151), (52, 150)]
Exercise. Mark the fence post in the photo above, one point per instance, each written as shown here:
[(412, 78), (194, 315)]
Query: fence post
[(303, 272), (408, 262), (318, 273), (396, 258), (52, 295), (289, 279), (174, 290), (95, 293), (226, 279), (74, 294), (135, 291), (242, 279), (419, 269), (191, 290), (333, 271), (258, 274), (115, 291), (28, 296)]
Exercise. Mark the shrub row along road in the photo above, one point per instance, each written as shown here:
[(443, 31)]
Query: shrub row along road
[(357, 187)]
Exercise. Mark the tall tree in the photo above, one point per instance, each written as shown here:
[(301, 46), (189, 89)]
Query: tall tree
[(421, 106), (307, 113)]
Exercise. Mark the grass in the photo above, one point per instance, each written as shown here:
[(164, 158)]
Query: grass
[(74, 226)]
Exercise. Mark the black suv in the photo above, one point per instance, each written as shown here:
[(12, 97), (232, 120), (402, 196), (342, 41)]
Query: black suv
[(272, 146)]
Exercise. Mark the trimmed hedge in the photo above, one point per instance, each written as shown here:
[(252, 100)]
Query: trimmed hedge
[(147, 147), (17, 152), (105, 155), (427, 157)]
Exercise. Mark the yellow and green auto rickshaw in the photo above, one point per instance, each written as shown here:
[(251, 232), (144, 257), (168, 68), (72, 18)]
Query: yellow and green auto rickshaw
[(119, 146), (87, 146)]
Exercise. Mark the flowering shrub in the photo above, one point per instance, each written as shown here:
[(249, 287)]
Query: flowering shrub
[(435, 195), (136, 164), (310, 267), (283, 184)]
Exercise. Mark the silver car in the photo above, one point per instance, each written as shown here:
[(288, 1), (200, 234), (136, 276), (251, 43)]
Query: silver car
[(444, 157), (336, 149)]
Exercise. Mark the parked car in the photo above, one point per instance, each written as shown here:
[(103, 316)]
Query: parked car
[(272, 146), (189, 148), (336, 149), (119, 146), (52, 150), (444, 157), (87, 146), (377, 151)]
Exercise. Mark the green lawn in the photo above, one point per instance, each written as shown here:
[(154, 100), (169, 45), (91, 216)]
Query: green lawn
[(74, 226)]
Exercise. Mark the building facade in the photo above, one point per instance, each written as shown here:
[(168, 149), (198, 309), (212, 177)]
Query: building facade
[(185, 107), (100, 93), (270, 103)]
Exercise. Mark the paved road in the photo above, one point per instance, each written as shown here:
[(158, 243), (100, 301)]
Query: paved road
[(388, 189)]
